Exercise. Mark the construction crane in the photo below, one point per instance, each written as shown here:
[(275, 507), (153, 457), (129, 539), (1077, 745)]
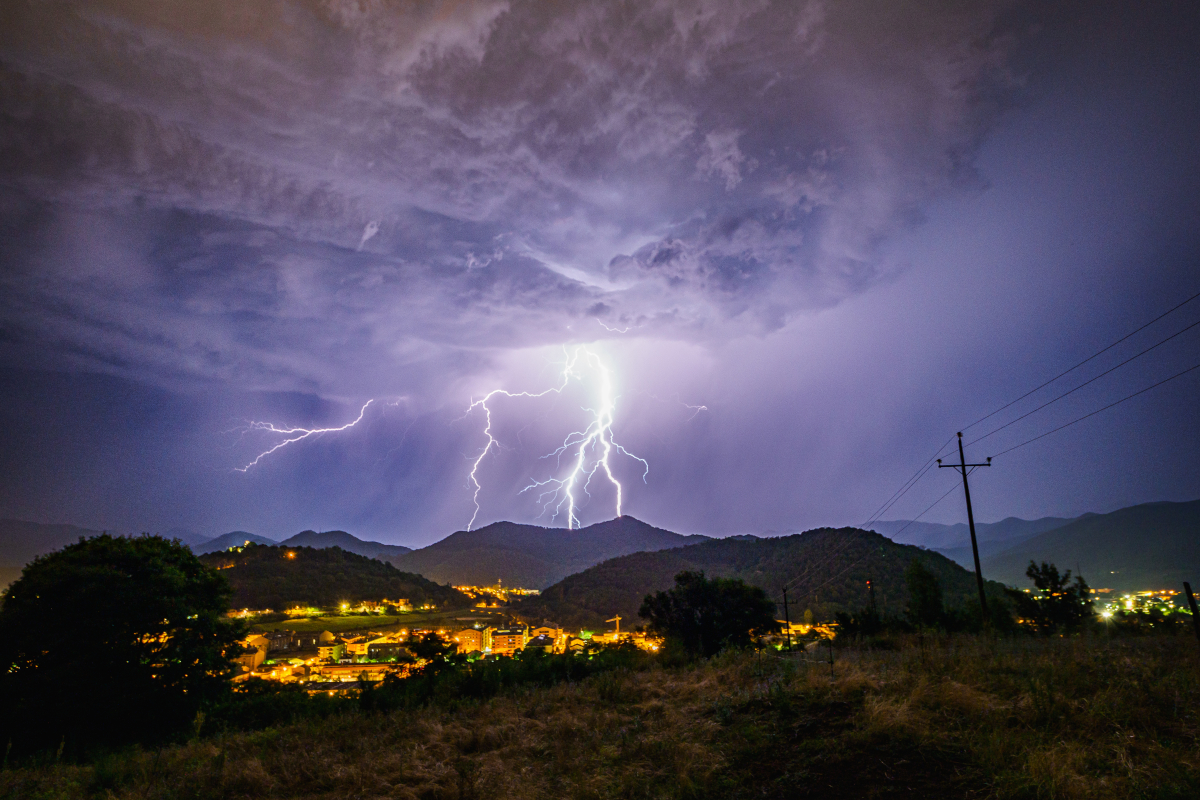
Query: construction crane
[(616, 619)]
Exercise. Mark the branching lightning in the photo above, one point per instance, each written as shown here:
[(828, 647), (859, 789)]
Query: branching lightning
[(293, 435), (626, 329), (587, 451)]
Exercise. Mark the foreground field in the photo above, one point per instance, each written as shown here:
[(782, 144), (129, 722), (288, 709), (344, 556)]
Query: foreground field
[(935, 718)]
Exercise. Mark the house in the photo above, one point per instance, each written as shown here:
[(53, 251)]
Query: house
[(556, 634), (356, 647), (256, 652), (471, 640), (541, 642), (331, 650), (399, 605), (509, 640)]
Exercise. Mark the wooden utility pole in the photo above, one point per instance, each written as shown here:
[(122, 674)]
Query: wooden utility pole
[(962, 466), (787, 620)]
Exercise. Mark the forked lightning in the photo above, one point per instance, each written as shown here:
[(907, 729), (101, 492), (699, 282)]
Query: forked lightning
[(294, 435), (588, 450)]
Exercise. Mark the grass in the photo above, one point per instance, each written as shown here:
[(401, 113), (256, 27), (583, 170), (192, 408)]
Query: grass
[(945, 717)]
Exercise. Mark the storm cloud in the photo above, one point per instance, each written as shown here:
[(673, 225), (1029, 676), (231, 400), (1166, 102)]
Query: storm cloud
[(844, 229), (309, 196)]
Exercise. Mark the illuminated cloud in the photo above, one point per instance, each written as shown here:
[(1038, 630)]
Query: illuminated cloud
[(318, 195)]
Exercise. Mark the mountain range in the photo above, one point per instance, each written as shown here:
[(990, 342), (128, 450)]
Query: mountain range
[(530, 556), (349, 543), (1148, 546), (944, 538), (1153, 545), (826, 571), (21, 542)]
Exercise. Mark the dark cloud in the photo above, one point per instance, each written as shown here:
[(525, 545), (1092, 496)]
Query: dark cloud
[(846, 228), (242, 192)]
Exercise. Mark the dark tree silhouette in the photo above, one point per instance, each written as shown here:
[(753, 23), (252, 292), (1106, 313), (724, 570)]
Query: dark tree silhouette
[(112, 640), (705, 615), (1058, 604), (432, 647), (925, 605)]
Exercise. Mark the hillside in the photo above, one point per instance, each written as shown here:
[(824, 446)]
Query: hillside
[(266, 577), (944, 538), (349, 543), (231, 539), (1149, 546), (832, 567), (531, 556)]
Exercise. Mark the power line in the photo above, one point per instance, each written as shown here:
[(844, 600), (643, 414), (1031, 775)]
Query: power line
[(921, 471), (865, 555), (926, 511), (906, 485), (1086, 360), (846, 544), (1097, 411), (1085, 383)]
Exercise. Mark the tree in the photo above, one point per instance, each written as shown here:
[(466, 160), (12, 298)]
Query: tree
[(925, 606), (705, 615), (432, 648), (1057, 604), (112, 640)]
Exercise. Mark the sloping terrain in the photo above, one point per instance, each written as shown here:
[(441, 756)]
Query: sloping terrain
[(284, 577), (349, 543), (531, 556), (1149, 546), (829, 569), (231, 539), (936, 536)]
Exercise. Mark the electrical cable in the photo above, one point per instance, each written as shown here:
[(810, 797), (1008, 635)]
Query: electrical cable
[(837, 552), (1097, 411), (927, 510), (906, 485), (1086, 360), (864, 556), (1085, 383)]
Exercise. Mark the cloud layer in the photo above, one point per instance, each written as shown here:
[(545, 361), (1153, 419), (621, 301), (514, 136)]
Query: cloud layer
[(370, 197)]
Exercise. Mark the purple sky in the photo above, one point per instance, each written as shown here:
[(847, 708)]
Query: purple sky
[(845, 229)]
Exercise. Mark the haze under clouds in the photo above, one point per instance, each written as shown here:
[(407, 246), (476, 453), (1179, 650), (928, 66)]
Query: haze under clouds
[(843, 228)]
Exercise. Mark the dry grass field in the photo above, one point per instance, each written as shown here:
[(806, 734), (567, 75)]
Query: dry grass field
[(945, 717)]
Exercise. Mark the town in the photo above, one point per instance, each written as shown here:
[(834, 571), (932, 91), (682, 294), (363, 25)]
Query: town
[(325, 657)]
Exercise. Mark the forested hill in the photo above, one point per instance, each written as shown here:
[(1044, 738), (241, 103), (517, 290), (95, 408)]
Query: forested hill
[(830, 569), (530, 556), (284, 577), (1148, 546)]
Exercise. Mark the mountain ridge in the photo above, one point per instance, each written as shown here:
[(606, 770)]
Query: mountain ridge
[(826, 570), (938, 536), (348, 542), (278, 577), (532, 556), (1146, 546)]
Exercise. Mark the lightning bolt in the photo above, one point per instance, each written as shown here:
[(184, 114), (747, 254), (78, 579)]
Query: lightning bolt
[(293, 435), (626, 329), (589, 450)]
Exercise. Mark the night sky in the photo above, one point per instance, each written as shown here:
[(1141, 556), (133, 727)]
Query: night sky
[(810, 241)]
